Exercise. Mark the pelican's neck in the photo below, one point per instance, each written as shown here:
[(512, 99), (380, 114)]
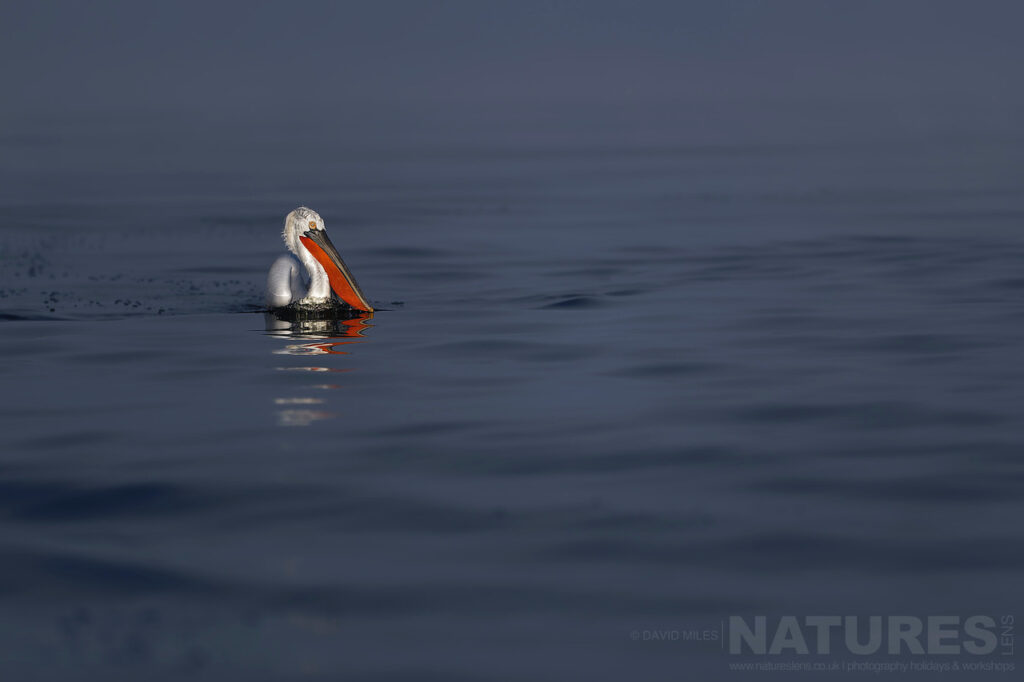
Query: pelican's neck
[(319, 284)]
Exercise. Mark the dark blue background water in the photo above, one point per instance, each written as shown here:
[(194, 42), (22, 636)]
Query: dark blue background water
[(611, 388)]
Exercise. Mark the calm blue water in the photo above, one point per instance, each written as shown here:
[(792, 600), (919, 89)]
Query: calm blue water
[(610, 389)]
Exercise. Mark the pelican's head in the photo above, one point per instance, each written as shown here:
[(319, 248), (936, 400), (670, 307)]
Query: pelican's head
[(304, 233), (297, 224)]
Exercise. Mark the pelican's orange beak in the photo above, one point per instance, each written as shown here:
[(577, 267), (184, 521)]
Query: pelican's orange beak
[(342, 281)]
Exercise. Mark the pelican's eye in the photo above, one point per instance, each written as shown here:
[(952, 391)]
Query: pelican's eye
[(312, 224)]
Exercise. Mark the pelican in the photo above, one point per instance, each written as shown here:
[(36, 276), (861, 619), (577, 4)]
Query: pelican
[(313, 273)]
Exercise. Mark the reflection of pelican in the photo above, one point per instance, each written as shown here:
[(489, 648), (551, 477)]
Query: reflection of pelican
[(327, 334), (313, 274), (321, 338), (347, 328)]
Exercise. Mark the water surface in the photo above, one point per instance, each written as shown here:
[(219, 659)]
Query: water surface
[(609, 389)]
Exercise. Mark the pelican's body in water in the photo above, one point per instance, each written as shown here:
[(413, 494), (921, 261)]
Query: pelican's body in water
[(313, 276)]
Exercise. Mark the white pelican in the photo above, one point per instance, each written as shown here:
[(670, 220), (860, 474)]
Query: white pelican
[(325, 272)]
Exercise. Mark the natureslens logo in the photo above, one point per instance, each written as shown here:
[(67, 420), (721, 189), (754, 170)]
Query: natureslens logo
[(977, 635)]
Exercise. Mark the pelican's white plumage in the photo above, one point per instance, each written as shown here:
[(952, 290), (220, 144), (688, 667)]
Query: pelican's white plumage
[(313, 272), (285, 283)]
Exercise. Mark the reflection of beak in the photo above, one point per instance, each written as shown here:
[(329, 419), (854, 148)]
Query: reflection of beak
[(342, 281)]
